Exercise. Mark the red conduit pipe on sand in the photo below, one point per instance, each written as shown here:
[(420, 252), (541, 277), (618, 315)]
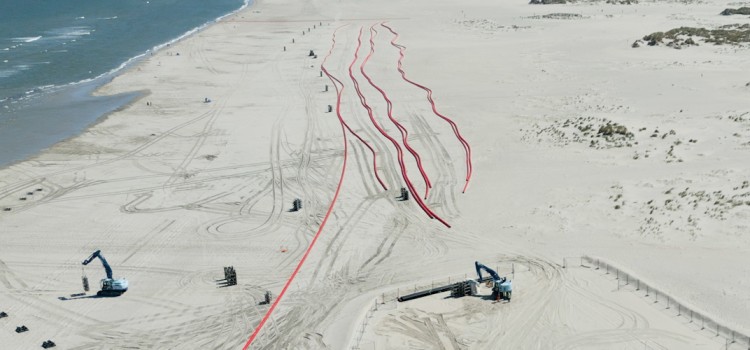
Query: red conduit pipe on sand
[(467, 148), (400, 152), (335, 80), (401, 128), (328, 213)]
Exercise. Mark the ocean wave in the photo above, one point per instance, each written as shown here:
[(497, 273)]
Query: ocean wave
[(107, 18), (26, 39), (245, 4), (110, 72), (132, 60), (67, 33), (5, 73), (77, 31)]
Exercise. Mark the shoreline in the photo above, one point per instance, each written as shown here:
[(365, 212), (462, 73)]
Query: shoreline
[(99, 82), (86, 110)]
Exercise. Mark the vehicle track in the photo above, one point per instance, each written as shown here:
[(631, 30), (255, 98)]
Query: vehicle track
[(389, 112), (336, 81), (212, 114), (197, 52), (28, 183), (276, 301), (219, 326), (363, 101), (339, 238), (467, 148), (443, 194), (6, 276), (181, 171), (400, 224)]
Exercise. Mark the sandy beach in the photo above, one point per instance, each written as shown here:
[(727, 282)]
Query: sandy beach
[(609, 182)]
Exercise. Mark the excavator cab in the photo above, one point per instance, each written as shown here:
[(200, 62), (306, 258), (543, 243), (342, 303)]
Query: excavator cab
[(112, 287)]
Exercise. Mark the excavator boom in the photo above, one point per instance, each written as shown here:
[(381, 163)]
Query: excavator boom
[(97, 254), (480, 267)]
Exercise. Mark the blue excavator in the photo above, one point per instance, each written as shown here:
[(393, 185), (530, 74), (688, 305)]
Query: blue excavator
[(501, 286), (110, 287)]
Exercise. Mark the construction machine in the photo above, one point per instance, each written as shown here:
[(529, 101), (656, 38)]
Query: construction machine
[(501, 286), (110, 287)]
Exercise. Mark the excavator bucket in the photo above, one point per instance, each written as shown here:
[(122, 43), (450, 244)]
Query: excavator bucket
[(85, 281)]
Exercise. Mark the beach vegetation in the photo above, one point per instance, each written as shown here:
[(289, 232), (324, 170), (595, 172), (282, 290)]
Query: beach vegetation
[(738, 11), (730, 34)]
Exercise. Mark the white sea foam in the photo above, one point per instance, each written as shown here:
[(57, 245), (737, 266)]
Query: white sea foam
[(26, 39), (109, 73), (201, 27), (68, 33), (4, 73), (132, 60)]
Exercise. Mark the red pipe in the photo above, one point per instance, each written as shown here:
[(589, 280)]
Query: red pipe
[(401, 128), (400, 152), (335, 80), (467, 148), (325, 218)]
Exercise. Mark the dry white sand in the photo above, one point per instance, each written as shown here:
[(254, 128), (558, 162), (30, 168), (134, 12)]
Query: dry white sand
[(173, 191)]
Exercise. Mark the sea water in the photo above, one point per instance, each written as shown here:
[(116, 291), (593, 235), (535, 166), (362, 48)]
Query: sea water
[(54, 53)]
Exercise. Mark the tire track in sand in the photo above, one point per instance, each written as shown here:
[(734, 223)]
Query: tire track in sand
[(467, 148), (339, 90), (363, 101), (389, 112)]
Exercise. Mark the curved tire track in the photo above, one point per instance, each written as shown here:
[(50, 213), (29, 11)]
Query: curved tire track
[(467, 148), (389, 110), (400, 152), (276, 301)]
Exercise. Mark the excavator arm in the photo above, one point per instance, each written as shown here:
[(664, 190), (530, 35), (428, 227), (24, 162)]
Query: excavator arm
[(97, 254), (502, 287), (491, 272)]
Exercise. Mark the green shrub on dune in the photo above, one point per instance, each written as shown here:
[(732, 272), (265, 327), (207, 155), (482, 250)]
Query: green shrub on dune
[(732, 34)]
